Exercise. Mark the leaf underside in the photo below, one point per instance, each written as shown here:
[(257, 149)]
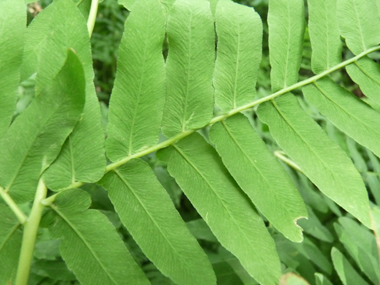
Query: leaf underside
[(230, 215), (90, 245), (82, 157), (12, 27), (10, 244), (146, 210), (32, 142)]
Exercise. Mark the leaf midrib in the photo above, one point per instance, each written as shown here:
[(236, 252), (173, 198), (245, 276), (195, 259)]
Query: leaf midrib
[(215, 193), (170, 141), (9, 235), (184, 121), (367, 74), (152, 219), (254, 165), (357, 118), (139, 95), (302, 139), (82, 238), (359, 25), (32, 142)]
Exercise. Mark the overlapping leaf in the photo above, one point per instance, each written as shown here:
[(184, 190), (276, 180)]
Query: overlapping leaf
[(346, 111), (286, 20), (259, 174), (90, 244), (364, 253), (366, 73), (147, 211), (324, 35), (359, 24), (12, 28), (315, 228), (239, 32), (325, 164), (10, 244), (35, 138), (347, 274), (230, 215), (138, 96), (47, 39), (321, 279), (189, 67)]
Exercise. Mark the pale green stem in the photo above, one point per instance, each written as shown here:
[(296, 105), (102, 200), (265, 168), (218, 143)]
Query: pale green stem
[(174, 139), (92, 16), (50, 200), (281, 155), (30, 235), (13, 206)]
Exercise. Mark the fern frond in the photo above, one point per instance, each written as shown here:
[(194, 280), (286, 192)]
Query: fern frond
[(228, 174), (47, 39)]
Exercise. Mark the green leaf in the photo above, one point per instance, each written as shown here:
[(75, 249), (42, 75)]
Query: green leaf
[(90, 244), (324, 35), (311, 251), (12, 27), (147, 211), (200, 230), (286, 20), (189, 67), (292, 279), (322, 161), (48, 37), (308, 193), (128, 4), (35, 138), (10, 244), (259, 174), (200, 173), (364, 252), (314, 227), (373, 181), (238, 57), (366, 74), (228, 268), (55, 269), (359, 24), (345, 111), (84, 7), (346, 272), (375, 217), (225, 274), (356, 155), (137, 99), (321, 279)]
